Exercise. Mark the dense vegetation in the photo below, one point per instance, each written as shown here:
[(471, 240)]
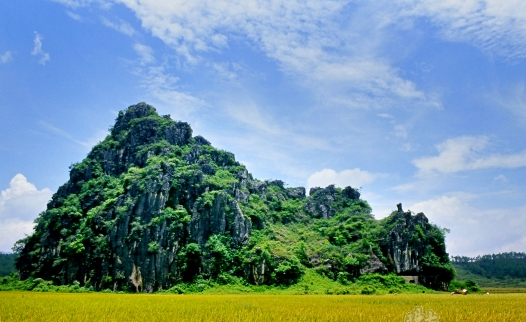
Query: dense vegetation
[(7, 264), (496, 270), (152, 208)]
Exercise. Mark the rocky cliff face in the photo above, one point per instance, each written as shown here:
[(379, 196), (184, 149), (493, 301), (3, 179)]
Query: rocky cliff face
[(152, 206), (405, 245)]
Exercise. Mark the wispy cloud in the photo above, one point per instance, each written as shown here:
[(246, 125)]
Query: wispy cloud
[(145, 54), (513, 99), (163, 86), (160, 83), (88, 144), (120, 25), (37, 49), (500, 178), (303, 37), (6, 57), (467, 153), (104, 4), (350, 177), (494, 26), (74, 16)]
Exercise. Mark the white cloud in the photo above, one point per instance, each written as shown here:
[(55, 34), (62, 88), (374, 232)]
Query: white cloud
[(349, 177), (145, 53), (494, 26), (302, 36), (160, 83), (37, 49), (74, 3), (121, 26), (6, 57), (467, 153), (475, 231), (400, 131), (74, 16), (87, 144), (227, 71), (501, 178), (20, 204), (513, 99), (103, 4), (163, 86)]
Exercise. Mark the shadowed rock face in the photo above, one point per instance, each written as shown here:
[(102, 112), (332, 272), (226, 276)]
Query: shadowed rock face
[(207, 221), (405, 247), (136, 236), (139, 214)]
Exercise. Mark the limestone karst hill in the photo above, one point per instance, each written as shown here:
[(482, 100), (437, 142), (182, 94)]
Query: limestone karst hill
[(152, 206)]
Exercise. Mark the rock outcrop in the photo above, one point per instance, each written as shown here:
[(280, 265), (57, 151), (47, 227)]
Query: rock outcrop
[(325, 202), (152, 206), (405, 244)]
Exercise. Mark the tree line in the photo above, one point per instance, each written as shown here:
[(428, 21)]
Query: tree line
[(502, 265), (7, 264)]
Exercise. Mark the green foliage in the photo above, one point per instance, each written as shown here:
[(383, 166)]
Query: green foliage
[(289, 271), (222, 179), (219, 248), (7, 264), (500, 266), (190, 261), (470, 285), (300, 250), (285, 211), (178, 216), (76, 246), (256, 208), (439, 271), (11, 283), (153, 247)]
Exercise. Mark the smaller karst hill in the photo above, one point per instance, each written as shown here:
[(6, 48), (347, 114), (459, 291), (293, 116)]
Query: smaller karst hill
[(152, 206)]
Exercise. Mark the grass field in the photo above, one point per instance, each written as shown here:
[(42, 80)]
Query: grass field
[(32, 306)]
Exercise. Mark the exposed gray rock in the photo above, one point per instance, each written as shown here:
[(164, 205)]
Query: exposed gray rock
[(351, 193), (241, 196), (143, 132), (193, 155), (296, 193), (178, 133), (257, 187), (208, 220), (320, 202), (201, 140), (133, 112), (208, 169), (258, 270), (243, 178), (374, 265), (241, 226), (405, 249), (278, 183)]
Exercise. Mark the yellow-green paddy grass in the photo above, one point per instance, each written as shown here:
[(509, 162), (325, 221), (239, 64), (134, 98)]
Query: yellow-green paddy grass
[(31, 306)]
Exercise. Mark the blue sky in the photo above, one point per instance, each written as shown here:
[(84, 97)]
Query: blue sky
[(415, 101)]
